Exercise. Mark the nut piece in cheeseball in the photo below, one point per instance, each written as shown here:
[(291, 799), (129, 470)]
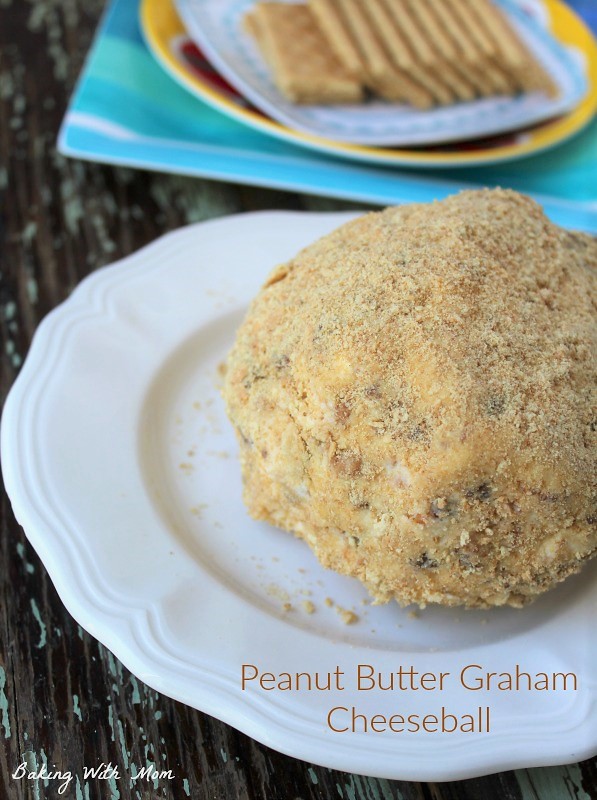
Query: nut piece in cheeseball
[(413, 395)]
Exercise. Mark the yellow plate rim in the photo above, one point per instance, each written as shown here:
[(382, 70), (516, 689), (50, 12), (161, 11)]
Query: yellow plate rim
[(160, 24)]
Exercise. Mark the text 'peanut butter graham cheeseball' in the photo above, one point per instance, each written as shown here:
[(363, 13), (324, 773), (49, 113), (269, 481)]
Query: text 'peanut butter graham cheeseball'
[(414, 397)]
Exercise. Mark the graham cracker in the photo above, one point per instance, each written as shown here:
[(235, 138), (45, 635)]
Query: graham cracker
[(348, 20), (446, 54), (305, 68), (512, 53), (485, 54), (468, 56), (330, 21), (423, 52), (400, 51)]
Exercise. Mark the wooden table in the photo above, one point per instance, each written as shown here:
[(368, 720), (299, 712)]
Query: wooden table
[(64, 699)]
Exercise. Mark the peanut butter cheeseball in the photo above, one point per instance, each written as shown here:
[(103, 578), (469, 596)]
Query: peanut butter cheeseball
[(413, 396)]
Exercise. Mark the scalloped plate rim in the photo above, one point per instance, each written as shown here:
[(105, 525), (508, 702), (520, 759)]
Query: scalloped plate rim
[(135, 638)]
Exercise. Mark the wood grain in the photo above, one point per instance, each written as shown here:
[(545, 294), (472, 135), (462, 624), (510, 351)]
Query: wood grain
[(65, 701)]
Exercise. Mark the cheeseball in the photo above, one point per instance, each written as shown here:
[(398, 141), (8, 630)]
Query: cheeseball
[(413, 396)]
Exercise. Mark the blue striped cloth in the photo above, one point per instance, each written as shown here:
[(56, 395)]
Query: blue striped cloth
[(138, 116)]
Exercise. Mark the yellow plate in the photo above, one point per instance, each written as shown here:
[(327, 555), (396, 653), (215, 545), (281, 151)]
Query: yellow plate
[(173, 49)]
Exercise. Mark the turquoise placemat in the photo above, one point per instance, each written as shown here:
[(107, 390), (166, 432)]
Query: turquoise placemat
[(127, 110)]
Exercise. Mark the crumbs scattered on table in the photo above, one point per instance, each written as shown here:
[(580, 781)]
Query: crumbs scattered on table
[(185, 467), (199, 509), (413, 614), (308, 606)]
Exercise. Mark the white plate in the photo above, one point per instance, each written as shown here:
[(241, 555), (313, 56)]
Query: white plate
[(216, 26), (121, 467)]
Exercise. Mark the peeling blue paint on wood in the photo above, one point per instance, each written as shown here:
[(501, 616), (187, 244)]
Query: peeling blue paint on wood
[(32, 290), (122, 740), (42, 627), (81, 793), (44, 762), (552, 783), (5, 719), (29, 233), (76, 708), (21, 551), (114, 792), (31, 760), (111, 722), (136, 697)]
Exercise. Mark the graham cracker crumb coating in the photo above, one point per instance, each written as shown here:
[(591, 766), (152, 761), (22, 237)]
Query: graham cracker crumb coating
[(413, 396)]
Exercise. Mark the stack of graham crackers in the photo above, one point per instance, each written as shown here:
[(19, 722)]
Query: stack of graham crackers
[(422, 52)]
